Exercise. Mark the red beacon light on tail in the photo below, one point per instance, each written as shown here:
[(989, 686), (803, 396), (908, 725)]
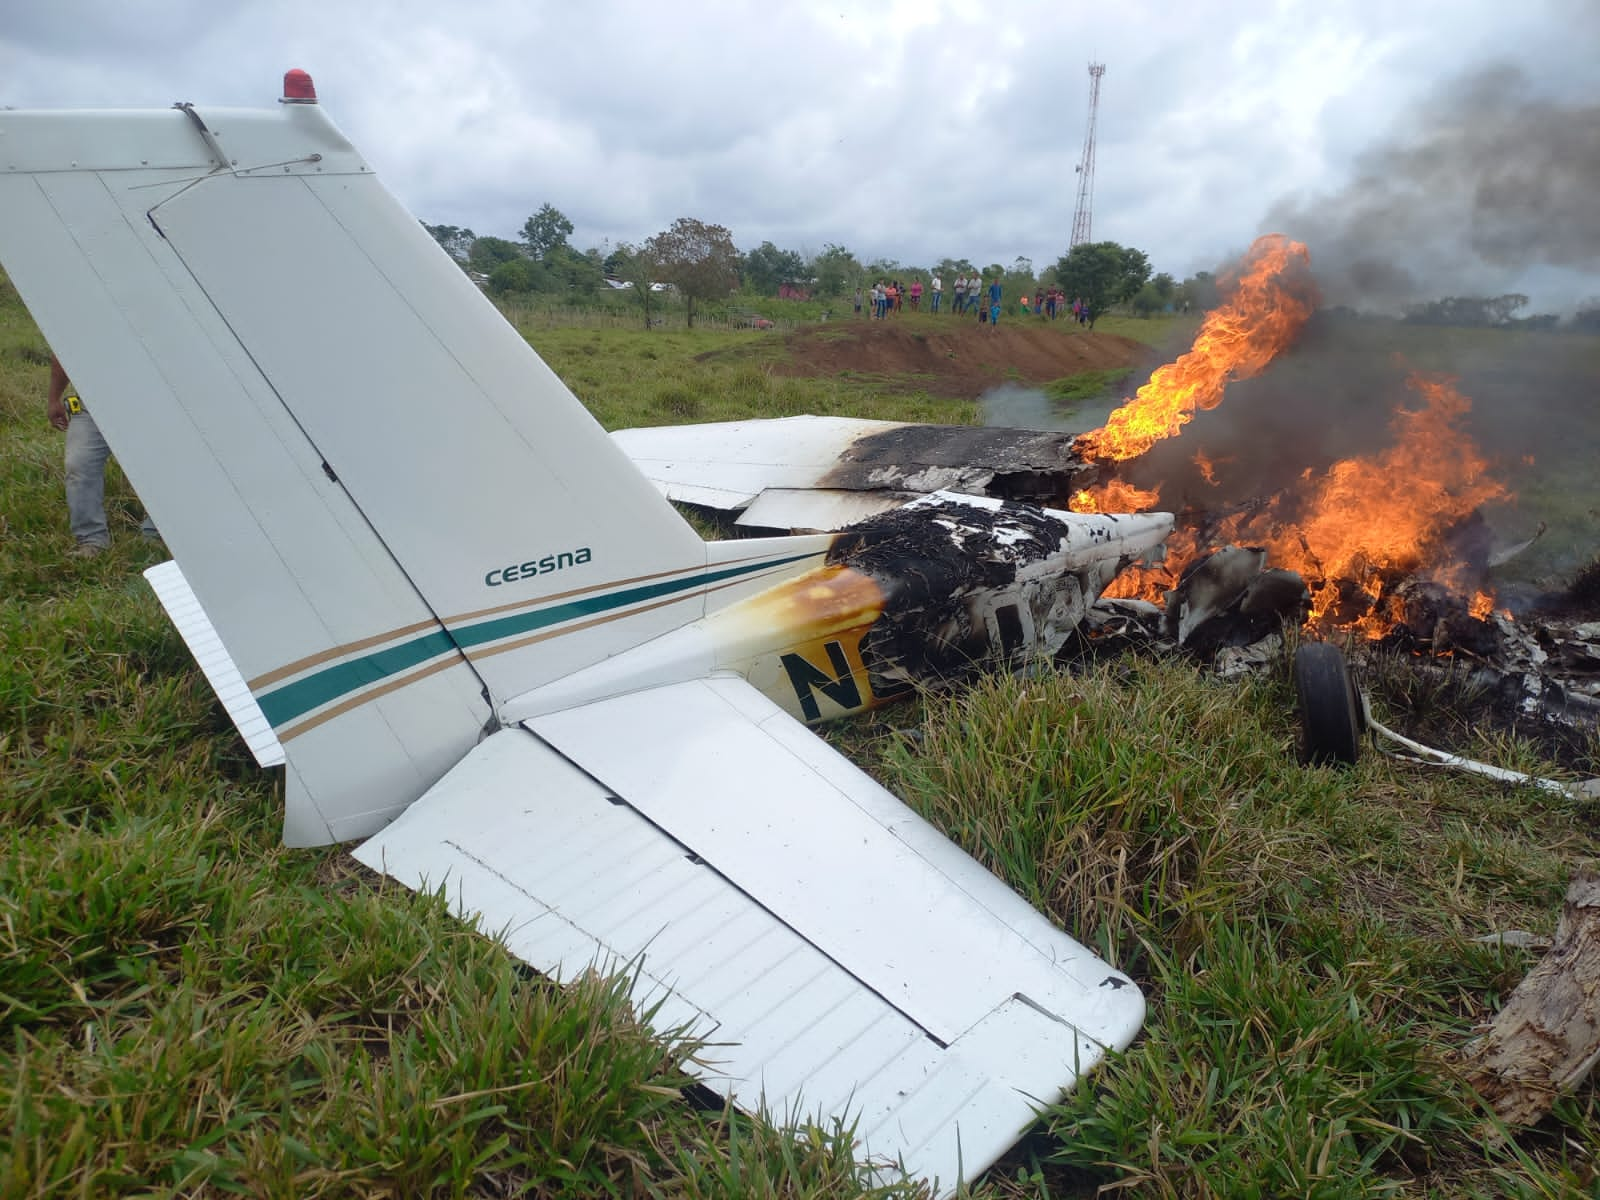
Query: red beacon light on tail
[(298, 88)]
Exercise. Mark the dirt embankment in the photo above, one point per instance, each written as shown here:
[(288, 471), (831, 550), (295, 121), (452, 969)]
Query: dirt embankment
[(962, 359)]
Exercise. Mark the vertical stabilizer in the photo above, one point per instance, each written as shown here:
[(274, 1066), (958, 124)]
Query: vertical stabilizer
[(392, 511)]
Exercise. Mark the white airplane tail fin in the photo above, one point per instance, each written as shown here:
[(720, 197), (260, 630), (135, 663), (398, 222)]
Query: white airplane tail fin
[(393, 512)]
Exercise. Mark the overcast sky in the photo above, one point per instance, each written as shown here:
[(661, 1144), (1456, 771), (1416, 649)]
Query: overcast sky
[(909, 129)]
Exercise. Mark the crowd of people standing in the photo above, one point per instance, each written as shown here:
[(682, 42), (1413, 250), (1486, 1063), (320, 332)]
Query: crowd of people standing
[(970, 294)]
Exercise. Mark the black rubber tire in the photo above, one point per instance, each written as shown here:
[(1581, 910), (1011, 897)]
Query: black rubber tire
[(1330, 710)]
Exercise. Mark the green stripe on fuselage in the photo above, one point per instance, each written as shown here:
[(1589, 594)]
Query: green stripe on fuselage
[(294, 700), (284, 704)]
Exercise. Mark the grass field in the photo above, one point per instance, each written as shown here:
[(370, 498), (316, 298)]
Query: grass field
[(190, 1009)]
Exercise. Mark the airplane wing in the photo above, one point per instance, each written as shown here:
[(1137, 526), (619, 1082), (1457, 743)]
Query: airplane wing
[(840, 954), (728, 464), (824, 473)]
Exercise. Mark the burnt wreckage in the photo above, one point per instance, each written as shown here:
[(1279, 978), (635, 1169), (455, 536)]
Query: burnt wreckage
[(958, 590), (1226, 608)]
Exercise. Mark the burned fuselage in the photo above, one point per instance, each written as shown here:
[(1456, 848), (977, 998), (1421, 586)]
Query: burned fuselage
[(926, 595)]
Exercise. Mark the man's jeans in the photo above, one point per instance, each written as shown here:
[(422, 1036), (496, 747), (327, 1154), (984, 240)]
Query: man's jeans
[(935, 306), (87, 453)]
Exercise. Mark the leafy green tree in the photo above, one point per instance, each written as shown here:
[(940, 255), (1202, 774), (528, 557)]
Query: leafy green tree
[(1148, 300), (1102, 274), (766, 267), (1017, 281), (1154, 296), (836, 270), (636, 265), (1135, 269), (490, 252), (457, 242), (517, 275), (1199, 292), (546, 230), (564, 269), (698, 259)]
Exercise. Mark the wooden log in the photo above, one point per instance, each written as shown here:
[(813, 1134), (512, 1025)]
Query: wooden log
[(1546, 1039)]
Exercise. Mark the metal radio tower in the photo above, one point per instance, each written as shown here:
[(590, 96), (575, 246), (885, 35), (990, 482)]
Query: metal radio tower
[(1083, 215)]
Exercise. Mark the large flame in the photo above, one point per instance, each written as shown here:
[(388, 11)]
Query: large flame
[(1365, 523), (1368, 520), (1352, 533), (1268, 304)]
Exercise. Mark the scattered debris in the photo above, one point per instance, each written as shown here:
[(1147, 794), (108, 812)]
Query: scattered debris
[(1227, 599), (1499, 558), (1546, 1039), (1517, 939), (1542, 666), (1227, 610), (1588, 789)]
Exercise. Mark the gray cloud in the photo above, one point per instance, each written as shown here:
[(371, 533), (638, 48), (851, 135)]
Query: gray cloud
[(912, 129)]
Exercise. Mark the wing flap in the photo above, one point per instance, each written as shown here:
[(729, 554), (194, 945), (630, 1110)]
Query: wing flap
[(791, 822), (805, 923)]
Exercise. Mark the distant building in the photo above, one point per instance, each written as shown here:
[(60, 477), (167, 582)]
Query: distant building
[(623, 284)]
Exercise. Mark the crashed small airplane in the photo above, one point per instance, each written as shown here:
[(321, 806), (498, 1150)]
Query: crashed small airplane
[(478, 637)]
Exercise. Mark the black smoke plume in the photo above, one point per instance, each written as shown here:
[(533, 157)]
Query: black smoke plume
[(1482, 183)]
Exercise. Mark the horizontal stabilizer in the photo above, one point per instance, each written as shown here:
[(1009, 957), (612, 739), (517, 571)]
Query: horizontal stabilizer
[(841, 956)]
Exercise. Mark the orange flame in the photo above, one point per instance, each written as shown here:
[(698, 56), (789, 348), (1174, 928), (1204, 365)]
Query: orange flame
[(1351, 533), (1365, 522), (1369, 516), (1270, 302), (1115, 496)]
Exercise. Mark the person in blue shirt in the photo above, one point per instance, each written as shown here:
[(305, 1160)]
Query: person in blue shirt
[(994, 302)]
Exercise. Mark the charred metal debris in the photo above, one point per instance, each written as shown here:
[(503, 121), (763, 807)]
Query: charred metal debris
[(1537, 671), (957, 592), (1006, 464)]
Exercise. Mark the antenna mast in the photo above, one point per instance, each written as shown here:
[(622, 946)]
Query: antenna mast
[(1083, 215)]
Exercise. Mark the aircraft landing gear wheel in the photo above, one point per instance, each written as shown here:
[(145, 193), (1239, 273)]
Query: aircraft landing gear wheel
[(1331, 716)]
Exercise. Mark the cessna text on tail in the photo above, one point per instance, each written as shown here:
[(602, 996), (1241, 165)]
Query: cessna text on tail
[(481, 639)]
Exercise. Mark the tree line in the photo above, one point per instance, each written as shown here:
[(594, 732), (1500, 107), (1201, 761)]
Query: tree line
[(699, 262), (1499, 312)]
